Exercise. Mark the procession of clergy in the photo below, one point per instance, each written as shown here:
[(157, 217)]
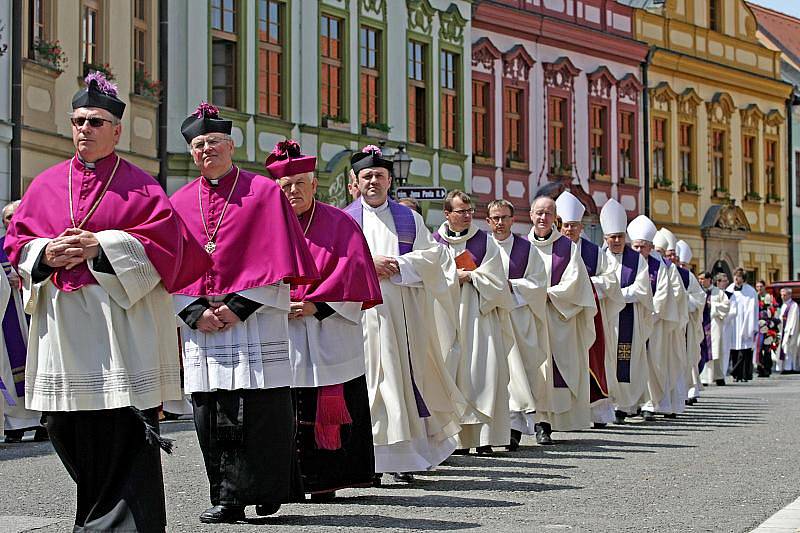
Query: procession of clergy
[(323, 347)]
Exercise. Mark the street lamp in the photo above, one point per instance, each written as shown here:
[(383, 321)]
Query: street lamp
[(402, 165)]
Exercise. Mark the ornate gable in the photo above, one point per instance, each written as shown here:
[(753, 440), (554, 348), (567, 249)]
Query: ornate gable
[(662, 96), (600, 82), (517, 63), (751, 117), (560, 74), (484, 53), (688, 102), (773, 122), (720, 109), (451, 25), (420, 15), (629, 88)]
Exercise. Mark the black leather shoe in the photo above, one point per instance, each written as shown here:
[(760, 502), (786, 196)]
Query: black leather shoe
[(542, 433), (223, 514), (484, 450), (619, 417), (403, 477), (461, 451), (516, 437), (648, 416), (720, 382), (377, 480), (14, 436), (671, 415), (267, 509), (41, 434), (599, 425), (323, 497)]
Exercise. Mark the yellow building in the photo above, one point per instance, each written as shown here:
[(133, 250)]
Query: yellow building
[(717, 134), (61, 41)]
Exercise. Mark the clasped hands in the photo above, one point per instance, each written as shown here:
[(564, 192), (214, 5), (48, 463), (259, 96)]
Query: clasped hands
[(216, 318), (301, 309), (386, 267), (70, 249)]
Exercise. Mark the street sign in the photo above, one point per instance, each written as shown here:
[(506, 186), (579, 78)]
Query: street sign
[(421, 193)]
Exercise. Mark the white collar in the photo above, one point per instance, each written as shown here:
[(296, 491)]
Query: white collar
[(380, 208)]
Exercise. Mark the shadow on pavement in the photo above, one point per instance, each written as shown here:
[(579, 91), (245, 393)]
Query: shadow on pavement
[(429, 500), (362, 521), (25, 449)]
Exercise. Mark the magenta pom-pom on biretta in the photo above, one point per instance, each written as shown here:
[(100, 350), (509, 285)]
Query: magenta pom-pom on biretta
[(204, 120), (99, 92), (286, 159), (369, 157)]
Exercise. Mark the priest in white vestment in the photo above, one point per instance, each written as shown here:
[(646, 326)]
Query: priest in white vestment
[(5, 294), (787, 358), (627, 367), (561, 390), (608, 298), (415, 404), (719, 306), (484, 330), (744, 326), (642, 232), (527, 280), (696, 298)]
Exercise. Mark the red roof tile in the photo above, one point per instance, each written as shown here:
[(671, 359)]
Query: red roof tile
[(783, 30)]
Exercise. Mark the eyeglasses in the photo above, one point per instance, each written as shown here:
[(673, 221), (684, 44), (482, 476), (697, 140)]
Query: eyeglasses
[(501, 218), (464, 212), (94, 122), (210, 142)]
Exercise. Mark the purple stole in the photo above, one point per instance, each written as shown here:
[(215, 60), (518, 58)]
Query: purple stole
[(630, 266), (15, 341), (562, 250), (518, 258), (476, 245), (684, 276), (406, 229), (653, 265), (404, 224), (590, 253), (705, 344)]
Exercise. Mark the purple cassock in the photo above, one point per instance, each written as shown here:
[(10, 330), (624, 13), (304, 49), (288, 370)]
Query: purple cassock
[(15, 342)]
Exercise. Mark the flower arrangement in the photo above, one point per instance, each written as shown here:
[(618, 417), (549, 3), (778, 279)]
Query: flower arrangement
[(145, 85), (50, 54)]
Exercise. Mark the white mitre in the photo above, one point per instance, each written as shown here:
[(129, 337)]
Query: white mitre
[(569, 208), (641, 228), (665, 239), (684, 251), (613, 218)]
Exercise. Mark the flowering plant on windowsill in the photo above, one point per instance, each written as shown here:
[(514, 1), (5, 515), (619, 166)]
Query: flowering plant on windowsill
[(104, 69), (662, 183), (690, 187), (721, 192), (752, 196), (380, 126), (50, 54), (772, 199), (566, 170), (144, 85)]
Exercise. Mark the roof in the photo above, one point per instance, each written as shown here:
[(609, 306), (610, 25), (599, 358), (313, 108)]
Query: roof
[(782, 29), (642, 4)]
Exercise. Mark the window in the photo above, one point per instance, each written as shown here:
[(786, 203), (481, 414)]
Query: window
[(140, 44), (91, 28), (659, 151), (37, 25), (331, 68), (270, 57), (557, 133), (715, 15), (224, 39), (448, 80), (598, 157), (718, 170), (626, 145), (512, 124), (370, 62), (770, 169), (685, 152), (480, 118), (749, 166), (417, 119)]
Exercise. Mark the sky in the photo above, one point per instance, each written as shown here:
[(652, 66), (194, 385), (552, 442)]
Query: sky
[(790, 7)]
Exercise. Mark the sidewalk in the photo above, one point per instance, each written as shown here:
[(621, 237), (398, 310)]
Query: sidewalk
[(787, 520)]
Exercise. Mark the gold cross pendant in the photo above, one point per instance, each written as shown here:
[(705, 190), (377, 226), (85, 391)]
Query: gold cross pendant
[(210, 247)]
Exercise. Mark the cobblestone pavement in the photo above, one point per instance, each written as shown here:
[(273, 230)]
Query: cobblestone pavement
[(727, 464)]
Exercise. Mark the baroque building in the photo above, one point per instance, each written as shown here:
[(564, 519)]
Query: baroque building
[(717, 134)]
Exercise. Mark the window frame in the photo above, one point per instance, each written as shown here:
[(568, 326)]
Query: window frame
[(232, 39), (141, 26), (772, 185), (721, 155), (603, 106), (377, 73), (46, 10), (419, 86), (663, 145), (339, 63), (266, 47), (98, 53), (632, 111), (687, 152), (486, 82), (452, 96)]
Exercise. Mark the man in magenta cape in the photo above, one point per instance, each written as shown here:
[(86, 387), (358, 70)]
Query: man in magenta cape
[(235, 323), (98, 246), (334, 434)]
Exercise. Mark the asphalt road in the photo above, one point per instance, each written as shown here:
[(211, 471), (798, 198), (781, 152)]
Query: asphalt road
[(726, 465)]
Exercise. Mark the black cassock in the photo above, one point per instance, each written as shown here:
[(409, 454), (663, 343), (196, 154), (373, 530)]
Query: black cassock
[(352, 465)]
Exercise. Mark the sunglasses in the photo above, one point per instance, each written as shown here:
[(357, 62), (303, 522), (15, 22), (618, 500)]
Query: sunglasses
[(94, 122)]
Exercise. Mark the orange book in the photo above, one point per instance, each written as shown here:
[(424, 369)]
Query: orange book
[(464, 261)]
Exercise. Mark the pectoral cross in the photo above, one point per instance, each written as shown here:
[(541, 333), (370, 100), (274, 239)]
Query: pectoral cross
[(210, 247)]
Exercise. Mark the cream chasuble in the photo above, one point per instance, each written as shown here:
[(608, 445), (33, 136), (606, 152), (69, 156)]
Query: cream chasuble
[(480, 369), (104, 346), (675, 358), (787, 353), (403, 337), (561, 389), (720, 306), (528, 317), (696, 298), (665, 320), (628, 385)]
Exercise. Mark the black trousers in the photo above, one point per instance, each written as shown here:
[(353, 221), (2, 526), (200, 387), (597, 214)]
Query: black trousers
[(742, 364), (247, 437), (117, 472), (764, 368), (353, 465)]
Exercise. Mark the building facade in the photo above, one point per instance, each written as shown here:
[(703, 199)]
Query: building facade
[(62, 41), (557, 98), (335, 75), (781, 32), (717, 134), (6, 129)]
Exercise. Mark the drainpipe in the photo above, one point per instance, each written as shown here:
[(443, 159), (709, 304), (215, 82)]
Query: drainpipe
[(793, 100), (646, 133), (163, 68), (15, 177)]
